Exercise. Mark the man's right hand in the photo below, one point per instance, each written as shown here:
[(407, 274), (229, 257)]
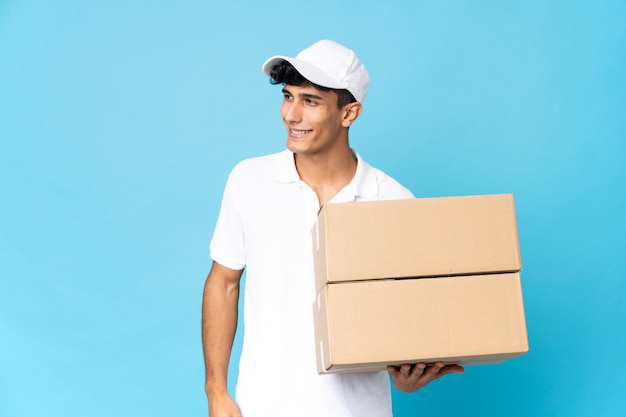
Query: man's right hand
[(223, 407)]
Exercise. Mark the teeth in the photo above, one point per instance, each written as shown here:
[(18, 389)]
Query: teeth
[(300, 132)]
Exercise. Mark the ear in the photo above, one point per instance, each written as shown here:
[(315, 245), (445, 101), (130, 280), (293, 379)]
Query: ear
[(351, 113)]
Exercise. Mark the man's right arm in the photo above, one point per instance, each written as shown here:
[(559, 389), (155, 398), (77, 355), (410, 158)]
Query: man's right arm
[(219, 322)]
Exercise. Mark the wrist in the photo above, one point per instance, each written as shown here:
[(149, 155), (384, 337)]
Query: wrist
[(216, 390)]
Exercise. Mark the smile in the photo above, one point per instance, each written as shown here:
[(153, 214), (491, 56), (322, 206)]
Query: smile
[(299, 132)]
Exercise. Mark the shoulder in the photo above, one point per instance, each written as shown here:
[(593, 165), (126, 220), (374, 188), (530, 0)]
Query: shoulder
[(256, 163), (389, 187), (379, 185), (255, 168)]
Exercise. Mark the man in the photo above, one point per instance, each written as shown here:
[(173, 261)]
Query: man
[(269, 205)]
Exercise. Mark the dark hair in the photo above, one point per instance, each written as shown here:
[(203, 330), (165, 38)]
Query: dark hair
[(285, 73)]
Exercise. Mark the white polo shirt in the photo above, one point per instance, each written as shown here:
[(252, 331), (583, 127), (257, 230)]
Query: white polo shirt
[(265, 226)]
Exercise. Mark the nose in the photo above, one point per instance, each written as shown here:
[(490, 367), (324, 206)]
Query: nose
[(291, 112)]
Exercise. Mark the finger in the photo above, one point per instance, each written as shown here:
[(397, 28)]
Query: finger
[(418, 369), (449, 369), (393, 371), (399, 373), (431, 372), (405, 370), (416, 373)]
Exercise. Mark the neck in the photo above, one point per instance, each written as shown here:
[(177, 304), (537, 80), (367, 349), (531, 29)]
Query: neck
[(327, 174)]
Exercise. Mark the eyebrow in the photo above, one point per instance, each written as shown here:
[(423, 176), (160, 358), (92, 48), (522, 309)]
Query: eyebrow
[(304, 95)]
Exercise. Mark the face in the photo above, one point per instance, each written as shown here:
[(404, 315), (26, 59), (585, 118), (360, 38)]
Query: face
[(314, 122)]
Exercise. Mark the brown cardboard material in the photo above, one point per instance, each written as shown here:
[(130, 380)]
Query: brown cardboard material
[(367, 325), (423, 237)]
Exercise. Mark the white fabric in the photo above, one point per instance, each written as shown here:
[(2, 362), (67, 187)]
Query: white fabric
[(265, 226)]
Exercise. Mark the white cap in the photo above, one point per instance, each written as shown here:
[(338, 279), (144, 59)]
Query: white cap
[(330, 65)]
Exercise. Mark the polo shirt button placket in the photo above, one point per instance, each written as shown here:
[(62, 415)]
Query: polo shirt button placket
[(311, 202)]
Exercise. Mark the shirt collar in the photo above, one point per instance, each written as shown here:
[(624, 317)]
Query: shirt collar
[(363, 184), (285, 167)]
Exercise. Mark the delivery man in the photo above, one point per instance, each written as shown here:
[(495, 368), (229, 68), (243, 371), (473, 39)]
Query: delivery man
[(269, 206)]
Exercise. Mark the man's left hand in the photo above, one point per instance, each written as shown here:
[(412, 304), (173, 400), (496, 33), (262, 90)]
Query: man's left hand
[(410, 378)]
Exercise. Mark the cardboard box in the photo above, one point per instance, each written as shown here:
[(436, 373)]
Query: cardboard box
[(423, 237), (367, 325)]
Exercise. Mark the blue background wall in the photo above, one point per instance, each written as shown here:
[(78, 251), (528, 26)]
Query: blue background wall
[(120, 120)]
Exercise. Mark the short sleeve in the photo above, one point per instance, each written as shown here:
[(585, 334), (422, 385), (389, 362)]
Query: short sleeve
[(228, 243)]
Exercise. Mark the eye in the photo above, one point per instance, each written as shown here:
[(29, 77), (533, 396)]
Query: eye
[(311, 102), (287, 96)]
